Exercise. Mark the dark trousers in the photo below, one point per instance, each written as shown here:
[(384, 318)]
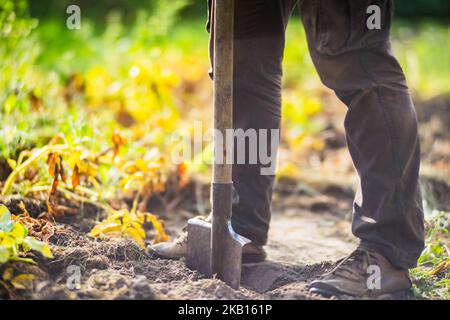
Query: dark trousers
[(381, 125)]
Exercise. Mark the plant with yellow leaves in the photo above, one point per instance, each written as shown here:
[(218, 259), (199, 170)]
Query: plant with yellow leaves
[(15, 243), (129, 224)]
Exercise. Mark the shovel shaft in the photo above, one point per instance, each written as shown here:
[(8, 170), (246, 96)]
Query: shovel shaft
[(222, 242), (222, 254), (223, 87)]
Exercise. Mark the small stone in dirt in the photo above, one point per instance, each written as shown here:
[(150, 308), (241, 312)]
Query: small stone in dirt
[(320, 206), (106, 280), (223, 291), (141, 289)]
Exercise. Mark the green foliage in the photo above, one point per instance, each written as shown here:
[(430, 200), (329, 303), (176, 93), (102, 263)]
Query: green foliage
[(404, 8), (423, 53), (125, 223), (96, 11), (432, 276), (15, 242), (422, 8), (81, 72), (95, 83), (17, 52)]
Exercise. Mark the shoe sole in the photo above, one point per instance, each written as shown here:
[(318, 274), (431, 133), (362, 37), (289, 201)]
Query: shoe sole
[(253, 258), (154, 254), (399, 295)]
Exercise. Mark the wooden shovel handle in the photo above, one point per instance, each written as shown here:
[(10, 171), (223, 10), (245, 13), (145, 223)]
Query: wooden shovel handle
[(223, 87)]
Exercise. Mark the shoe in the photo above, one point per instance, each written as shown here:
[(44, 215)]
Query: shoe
[(252, 253), (175, 249), (364, 274)]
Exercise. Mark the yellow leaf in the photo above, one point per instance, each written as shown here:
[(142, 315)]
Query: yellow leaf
[(32, 244), (441, 267), (8, 274), (134, 234), (138, 227), (161, 235), (130, 224), (12, 163), (23, 281), (18, 231), (105, 228)]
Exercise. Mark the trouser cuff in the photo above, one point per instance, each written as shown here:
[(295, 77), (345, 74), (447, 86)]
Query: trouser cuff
[(397, 257)]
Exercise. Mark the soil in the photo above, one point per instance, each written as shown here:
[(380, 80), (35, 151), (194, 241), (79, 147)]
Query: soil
[(302, 238), (310, 230), (306, 238)]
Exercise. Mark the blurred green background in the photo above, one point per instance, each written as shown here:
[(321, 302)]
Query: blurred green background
[(410, 9), (132, 54)]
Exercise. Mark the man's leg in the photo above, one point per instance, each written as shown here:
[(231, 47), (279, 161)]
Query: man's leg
[(259, 45), (381, 126), (258, 54)]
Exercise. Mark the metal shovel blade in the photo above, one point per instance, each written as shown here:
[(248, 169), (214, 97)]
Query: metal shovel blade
[(198, 255), (199, 252), (227, 262)]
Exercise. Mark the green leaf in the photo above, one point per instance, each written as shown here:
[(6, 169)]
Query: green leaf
[(6, 224), (4, 254), (19, 232), (31, 243)]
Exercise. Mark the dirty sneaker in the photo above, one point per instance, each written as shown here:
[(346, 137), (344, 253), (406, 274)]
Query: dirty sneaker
[(251, 253), (175, 249), (363, 274)]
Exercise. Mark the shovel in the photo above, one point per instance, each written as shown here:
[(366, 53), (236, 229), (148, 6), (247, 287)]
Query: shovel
[(214, 249)]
